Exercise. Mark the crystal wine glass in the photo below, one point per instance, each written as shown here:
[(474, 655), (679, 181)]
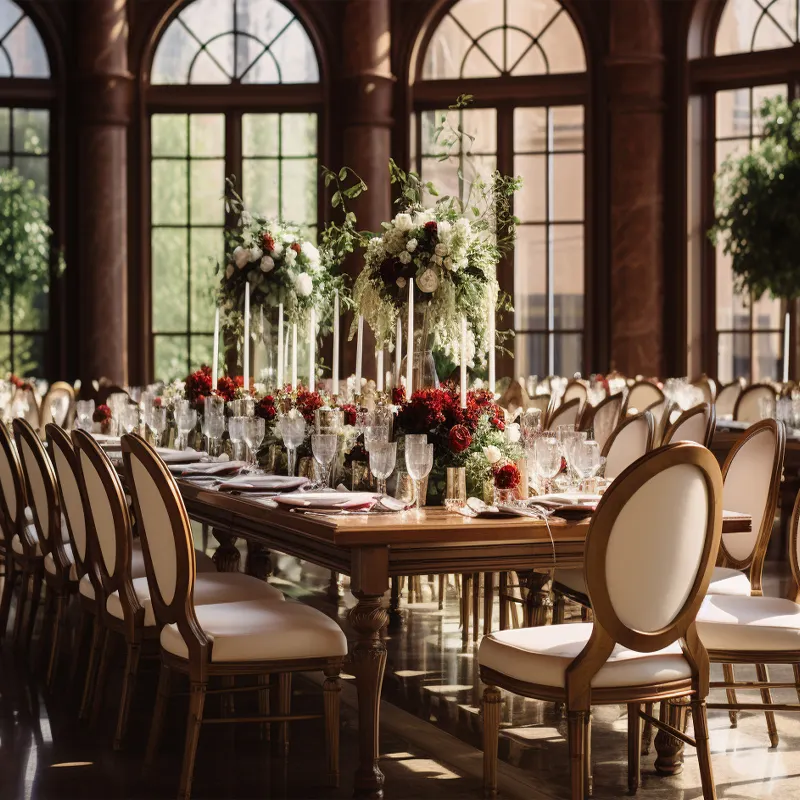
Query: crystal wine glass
[(236, 433), (547, 458), (254, 429), (157, 420), (419, 462), (84, 412), (213, 422), (587, 459), (382, 461), (129, 418), (374, 434), (186, 419), (324, 447), (293, 432)]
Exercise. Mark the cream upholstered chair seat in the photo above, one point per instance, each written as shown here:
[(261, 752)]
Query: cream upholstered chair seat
[(50, 564), (749, 623), (727, 581), (259, 630), (209, 588), (541, 656), (572, 579)]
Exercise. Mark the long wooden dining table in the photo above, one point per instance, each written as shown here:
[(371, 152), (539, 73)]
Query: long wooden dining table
[(372, 548)]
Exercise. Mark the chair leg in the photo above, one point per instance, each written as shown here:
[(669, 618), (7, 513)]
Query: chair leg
[(466, 585), (284, 708), (197, 700), (128, 684), (24, 589), (491, 735), (8, 591), (102, 674), (263, 705), (502, 589), (796, 668), (36, 595), (559, 607), (730, 676), (647, 735), (700, 720), (80, 634), (332, 691), (94, 655), (159, 712), (577, 726), (634, 748), (488, 602), (442, 590), (476, 604), (766, 697), (57, 623)]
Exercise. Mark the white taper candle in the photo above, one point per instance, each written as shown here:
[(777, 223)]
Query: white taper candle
[(463, 362), (294, 355), (280, 346), (410, 344), (492, 336), (335, 374), (312, 337), (359, 354), (786, 348), (215, 362), (379, 360), (246, 356), (398, 350)]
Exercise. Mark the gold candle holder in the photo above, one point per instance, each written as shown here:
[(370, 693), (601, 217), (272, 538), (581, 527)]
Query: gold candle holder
[(455, 495)]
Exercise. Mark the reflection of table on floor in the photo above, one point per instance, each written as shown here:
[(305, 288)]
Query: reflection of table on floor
[(372, 548)]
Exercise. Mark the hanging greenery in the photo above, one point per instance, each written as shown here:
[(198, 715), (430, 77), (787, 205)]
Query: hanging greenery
[(758, 213), (25, 236)]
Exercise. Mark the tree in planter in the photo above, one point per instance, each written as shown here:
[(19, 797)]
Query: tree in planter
[(758, 213), (25, 238)]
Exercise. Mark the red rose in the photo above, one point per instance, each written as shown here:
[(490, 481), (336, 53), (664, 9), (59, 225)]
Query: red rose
[(459, 439), (158, 402), (266, 408), (507, 476), (296, 247), (349, 414), (198, 387), (101, 414), (398, 395), (269, 242), (226, 388), (432, 228), (498, 423)]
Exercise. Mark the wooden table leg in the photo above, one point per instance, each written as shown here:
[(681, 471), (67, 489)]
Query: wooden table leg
[(395, 615), (539, 604), (258, 562), (226, 556), (370, 578), (670, 750)]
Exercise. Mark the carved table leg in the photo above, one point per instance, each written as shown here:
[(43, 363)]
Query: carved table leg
[(258, 562), (395, 615), (539, 604), (334, 587), (670, 750), (368, 661), (226, 556)]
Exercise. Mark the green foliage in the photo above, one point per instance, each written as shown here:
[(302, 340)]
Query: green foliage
[(758, 216)]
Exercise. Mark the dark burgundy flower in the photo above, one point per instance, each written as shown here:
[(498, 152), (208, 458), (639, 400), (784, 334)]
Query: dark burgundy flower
[(266, 408), (101, 414), (459, 439), (398, 395), (432, 228), (296, 247), (198, 387), (349, 412), (507, 476), (389, 271), (498, 423), (269, 242), (226, 388)]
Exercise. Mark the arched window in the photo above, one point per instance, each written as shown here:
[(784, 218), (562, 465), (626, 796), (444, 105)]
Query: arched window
[(525, 65), (749, 52), (234, 90), (25, 137)]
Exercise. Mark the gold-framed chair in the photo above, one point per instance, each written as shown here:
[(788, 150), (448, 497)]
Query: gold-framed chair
[(727, 396), (568, 413), (707, 386), (58, 406), (642, 395), (747, 407), (604, 418), (663, 514), (693, 425)]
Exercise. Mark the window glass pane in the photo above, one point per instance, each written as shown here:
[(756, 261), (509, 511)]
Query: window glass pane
[(299, 134), (29, 359), (207, 135), (31, 131), (567, 354), (36, 168), (299, 200), (530, 278), (478, 123), (206, 251), (27, 57), (733, 113), (31, 308), (168, 132), (530, 202), (530, 354), (568, 179), (171, 357), (202, 350), (169, 277), (568, 272), (261, 134), (768, 313), (567, 127), (748, 25), (732, 310), (530, 130), (767, 356), (5, 129), (207, 190), (5, 353), (260, 179), (169, 188)]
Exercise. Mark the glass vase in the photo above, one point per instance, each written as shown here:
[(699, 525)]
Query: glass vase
[(423, 367)]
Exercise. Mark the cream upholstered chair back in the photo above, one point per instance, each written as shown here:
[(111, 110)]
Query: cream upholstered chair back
[(748, 404), (40, 485), (576, 389), (58, 405), (708, 387), (540, 401), (606, 417), (642, 395), (166, 540), (695, 425), (629, 442), (108, 523), (566, 414), (752, 474), (726, 399), (651, 546), (28, 395), (66, 467), (12, 488)]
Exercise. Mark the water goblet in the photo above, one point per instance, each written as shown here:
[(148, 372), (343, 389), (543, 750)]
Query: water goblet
[(419, 462), (213, 422), (292, 430), (374, 434), (382, 461), (254, 429), (324, 447), (84, 411), (129, 418), (547, 458), (186, 420), (236, 434), (157, 422)]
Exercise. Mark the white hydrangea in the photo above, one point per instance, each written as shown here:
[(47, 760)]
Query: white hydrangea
[(411, 245), (241, 256), (441, 250), (405, 257), (267, 264), (428, 281), (421, 217), (310, 252), (255, 254), (303, 284), (492, 453), (403, 222), (278, 251), (290, 256), (513, 432)]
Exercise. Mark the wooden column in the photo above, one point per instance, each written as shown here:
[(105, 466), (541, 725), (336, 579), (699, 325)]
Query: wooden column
[(635, 79), (367, 91), (103, 114)]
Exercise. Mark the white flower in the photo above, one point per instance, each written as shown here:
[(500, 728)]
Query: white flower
[(428, 282), (401, 282), (255, 254), (405, 257), (247, 219), (448, 263), (441, 249), (403, 222), (444, 230), (492, 453), (290, 256), (513, 432), (276, 253), (241, 256), (229, 270), (303, 284), (267, 264), (310, 252), (411, 246), (437, 260), (421, 217)]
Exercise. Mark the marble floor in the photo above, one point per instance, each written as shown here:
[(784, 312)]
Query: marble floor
[(430, 732)]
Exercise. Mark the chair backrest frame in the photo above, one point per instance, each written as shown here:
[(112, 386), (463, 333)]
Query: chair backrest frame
[(642, 387), (13, 519), (564, 410), (746, 397), (636, 419), (614, 403), (58, 388), (706, 410)]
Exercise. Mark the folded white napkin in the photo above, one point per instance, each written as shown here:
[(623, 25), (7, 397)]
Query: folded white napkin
[(264, 483), (188, 456), (206, 468)]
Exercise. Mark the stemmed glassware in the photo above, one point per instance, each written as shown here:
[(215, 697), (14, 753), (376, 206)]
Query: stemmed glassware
[(213, 422), (129, 418), (292, 430), (546, 459), (324, 447), (382, 461), (157, 421), (374, 434), (254, 429), (84, 411), (570, 440), (419, 462), (186, 420), (587, 459), (236, 434)]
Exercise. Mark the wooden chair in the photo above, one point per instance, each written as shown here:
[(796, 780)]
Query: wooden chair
[(58, 406), (226, 640), (566, 414), (60, 573), (576, 389), (748, 404), (542, 402), (604, 418), (726, 399), (661, 410), (630, 441), (708, 387), (695, 425), (27, 394), (642, 395), (649, 555)]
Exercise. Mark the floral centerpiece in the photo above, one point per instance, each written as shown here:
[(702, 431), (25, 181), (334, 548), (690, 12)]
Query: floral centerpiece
[(102, 417)]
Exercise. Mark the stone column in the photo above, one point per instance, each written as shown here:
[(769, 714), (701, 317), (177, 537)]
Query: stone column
[(635, 80), (367, 90), (103, 94)]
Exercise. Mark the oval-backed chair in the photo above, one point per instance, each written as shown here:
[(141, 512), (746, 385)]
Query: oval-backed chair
[(566, 414), (708, 387), (694, 425), (605, 418), (58, 406), (726, 399), (642, 395), (748, 404), (254, 637), (649, 554), (630, 441)]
